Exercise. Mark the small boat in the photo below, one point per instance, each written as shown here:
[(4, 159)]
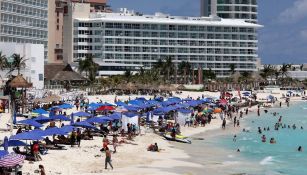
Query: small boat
[(181, 140)]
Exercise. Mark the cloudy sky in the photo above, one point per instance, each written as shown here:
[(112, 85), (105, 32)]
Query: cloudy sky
[(282, 40)]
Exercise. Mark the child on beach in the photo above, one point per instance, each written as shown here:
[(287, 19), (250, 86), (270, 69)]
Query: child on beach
[(108, 159)]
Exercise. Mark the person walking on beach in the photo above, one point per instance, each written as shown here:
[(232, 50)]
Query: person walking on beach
[(238, 123), (115, 142), (235, 121), (224, 124), (241, 114), (108, 159), (78, 137)]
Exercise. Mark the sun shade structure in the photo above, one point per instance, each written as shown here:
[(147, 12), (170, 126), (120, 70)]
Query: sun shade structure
[(30, 122), (99, 120), (40, 111), (82, 114), (32, 135), (11, 160), (59, 117), (42, 118), (105, 108), (12, 143), (19, 82), (67, 128), (54, 131), (84, 124)]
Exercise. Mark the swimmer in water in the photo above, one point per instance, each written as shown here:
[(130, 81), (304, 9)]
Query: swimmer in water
[(300, 149), (238, 150), (272, 141), (263, 138), (234, 138), (259, 130), (294, 126), (302, 127)]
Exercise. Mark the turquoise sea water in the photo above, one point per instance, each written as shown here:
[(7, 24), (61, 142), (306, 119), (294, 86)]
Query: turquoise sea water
[(257, 157)]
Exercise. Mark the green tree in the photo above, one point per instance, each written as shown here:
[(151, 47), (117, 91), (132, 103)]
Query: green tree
[(18, 63), (168, 67), (128, 75), (284, 70), (3, 61), (185, 70), (89, 67), (209, 74), (232, 68), (267, 71)]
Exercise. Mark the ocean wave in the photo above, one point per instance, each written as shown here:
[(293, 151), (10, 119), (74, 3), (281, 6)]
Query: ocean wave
[(267, 161)]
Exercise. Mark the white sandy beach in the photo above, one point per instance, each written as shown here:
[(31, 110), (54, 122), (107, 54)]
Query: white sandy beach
[(130, 158)]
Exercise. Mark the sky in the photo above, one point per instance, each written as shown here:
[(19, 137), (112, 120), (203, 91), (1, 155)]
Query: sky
[(283, 38)]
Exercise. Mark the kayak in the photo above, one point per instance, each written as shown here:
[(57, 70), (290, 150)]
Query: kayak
[(178, 136), (181, 140)]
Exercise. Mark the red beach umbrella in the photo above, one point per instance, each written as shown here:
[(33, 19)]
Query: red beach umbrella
[(106, 108)]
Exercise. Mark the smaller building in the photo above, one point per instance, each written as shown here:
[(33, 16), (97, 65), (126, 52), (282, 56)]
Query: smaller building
[(63, 75), (33, 72)]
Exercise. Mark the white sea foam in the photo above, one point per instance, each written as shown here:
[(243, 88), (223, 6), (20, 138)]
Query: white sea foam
[(230, 156), (267, 161)]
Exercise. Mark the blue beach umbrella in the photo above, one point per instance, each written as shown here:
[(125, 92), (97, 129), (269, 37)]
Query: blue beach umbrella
[(12, 143), (67, 128), (130, 114), (42, 118), (59, 117), (82, 114), (66, 106), (40, 111), (119, 103), (31, 135), (84, 124), (115, 116), (54, 131), (3, 153), (99, 120), (30, 122)]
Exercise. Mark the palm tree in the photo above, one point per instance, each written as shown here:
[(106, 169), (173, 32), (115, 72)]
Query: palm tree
[(284, 70), (128, 75), (89, 67), (209, 74), (267, 71), (169, 67), (232, 68), (184, 68), (245, 76), (3, 61), (18, 63)]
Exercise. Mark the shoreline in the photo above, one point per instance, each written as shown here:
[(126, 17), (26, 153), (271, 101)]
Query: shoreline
[(131, 158)]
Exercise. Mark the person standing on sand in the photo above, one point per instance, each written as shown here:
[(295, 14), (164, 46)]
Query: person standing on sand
[(224, 124), (42, 170), (235, 121), (108, 159)]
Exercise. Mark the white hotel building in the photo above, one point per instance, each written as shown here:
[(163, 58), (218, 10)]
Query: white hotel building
[(24, 21), (126, 40)]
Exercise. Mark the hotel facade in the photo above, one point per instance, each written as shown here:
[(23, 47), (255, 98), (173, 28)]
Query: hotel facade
[(232, 9), (24, 21), (127, 40)]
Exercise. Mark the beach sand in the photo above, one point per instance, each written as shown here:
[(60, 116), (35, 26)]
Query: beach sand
[(130, 158)]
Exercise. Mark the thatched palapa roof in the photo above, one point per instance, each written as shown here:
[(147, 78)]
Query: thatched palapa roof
[(59, 72), (19, 82)]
